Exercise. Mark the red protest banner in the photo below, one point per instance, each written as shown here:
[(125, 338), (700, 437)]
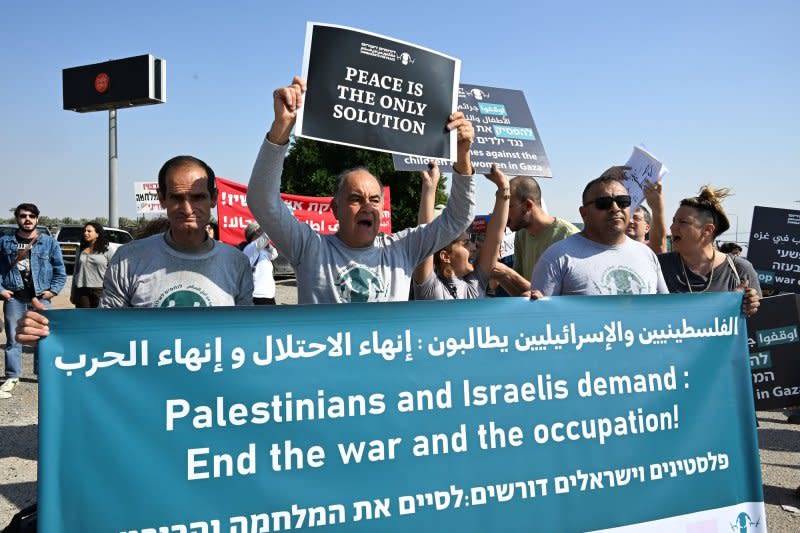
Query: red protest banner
[(234, 216)]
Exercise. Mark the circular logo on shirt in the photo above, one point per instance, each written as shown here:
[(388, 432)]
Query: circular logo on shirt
[(622, 280), (357, 284), (184, 296)]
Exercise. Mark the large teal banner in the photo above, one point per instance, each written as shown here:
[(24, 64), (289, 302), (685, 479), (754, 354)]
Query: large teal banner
[(563, 414)]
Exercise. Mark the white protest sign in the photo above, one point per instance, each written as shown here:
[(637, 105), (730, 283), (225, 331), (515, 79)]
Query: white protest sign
[(645, 169), (146, 196)]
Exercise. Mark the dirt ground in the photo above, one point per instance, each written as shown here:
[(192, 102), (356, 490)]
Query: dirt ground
[(779, 445)]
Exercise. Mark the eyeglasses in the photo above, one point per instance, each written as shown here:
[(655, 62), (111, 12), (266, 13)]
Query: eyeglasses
[(604, 202), (26, 215)]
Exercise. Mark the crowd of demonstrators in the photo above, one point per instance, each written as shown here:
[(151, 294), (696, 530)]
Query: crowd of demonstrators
[(261, 254), (448, 273), (695, 265), (357, 264), (91, 263), (360, 264), (31, 270), (601, 259)]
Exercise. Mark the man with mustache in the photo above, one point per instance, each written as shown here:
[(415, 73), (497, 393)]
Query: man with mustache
[(182, 267), (601, 259)]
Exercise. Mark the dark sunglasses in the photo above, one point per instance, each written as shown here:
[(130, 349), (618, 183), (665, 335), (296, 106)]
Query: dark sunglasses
[(23, 216), (604, 202)]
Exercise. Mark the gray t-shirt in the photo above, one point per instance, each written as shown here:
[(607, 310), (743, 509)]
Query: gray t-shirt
[(91, 268), (470, 287), (577, 265), (150, 273), (722, 279), (329, 271)]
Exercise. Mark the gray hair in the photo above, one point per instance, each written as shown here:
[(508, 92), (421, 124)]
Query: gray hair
[(342, 176)]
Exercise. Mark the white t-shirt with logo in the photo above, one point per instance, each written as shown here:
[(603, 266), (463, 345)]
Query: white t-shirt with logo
[(149, 273), (580, 266)]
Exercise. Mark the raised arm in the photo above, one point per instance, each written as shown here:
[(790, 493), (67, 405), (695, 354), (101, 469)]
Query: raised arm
[(658, 224), (286, 102), (490, 251), (430, 181), (263, 192)]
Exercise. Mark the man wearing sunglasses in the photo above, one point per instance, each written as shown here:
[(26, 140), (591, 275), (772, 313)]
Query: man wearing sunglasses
[(601, 259), (31, 267)]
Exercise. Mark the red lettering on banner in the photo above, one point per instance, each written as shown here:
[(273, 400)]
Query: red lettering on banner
[(234, 216)]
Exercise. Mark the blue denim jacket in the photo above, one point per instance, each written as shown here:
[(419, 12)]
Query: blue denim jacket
[(47, 265)]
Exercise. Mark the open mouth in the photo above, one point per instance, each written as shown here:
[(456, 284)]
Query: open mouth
[(365, 223), (675, 238)]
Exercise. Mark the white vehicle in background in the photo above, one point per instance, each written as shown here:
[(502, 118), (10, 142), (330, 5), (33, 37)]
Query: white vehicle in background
[(69, 238)]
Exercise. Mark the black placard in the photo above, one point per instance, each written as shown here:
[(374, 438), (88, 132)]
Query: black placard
[(775, 352), (373, 92), (505, 134), (774, 248)]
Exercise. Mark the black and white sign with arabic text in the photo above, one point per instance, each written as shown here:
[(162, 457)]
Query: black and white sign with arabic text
[(504, 134)]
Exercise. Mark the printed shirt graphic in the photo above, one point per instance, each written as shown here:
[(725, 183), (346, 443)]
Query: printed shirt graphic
[(184, 296), (358, 284), (619, 280)]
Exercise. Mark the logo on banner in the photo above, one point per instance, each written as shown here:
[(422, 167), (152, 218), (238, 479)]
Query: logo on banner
[(743, 523), (358, 284)]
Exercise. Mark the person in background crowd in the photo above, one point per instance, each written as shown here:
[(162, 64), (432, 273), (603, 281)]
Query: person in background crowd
[(730, 248), (212, 228), (153, 227), (448, 274), (695, 265), (260, 253), (535, 231), (601, 259), (90, 266), (358, 263), (32, 272)]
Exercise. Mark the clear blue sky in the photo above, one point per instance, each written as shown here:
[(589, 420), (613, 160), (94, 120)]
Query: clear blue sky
[(710, 87)]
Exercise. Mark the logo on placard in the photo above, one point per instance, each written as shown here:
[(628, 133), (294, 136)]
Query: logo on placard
[(406, 59), (357, 284), (743, 523), (388, 54), (475, 92)]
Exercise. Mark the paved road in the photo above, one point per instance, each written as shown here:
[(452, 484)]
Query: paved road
[(779, 445)]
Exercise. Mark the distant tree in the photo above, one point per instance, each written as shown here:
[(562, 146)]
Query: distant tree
[(311, 168)]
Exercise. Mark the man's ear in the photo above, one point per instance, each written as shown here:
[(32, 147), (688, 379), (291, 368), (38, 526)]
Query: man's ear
[(214, 198), (582, 211), (334, 208), (162, 199), (444, 257), (529, 205)]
